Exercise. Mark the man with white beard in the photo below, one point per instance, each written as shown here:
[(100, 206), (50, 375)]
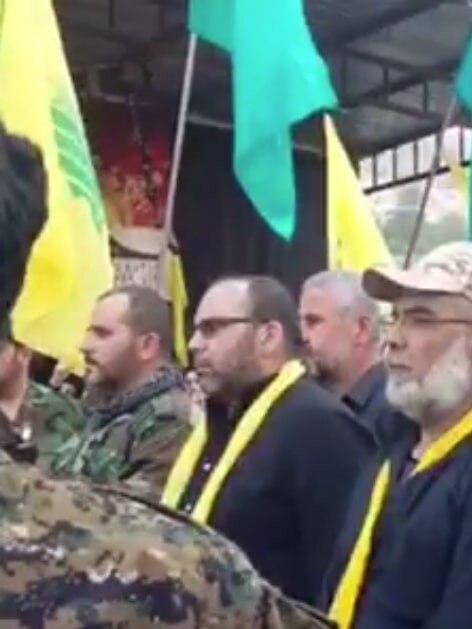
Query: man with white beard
[(404, 559)]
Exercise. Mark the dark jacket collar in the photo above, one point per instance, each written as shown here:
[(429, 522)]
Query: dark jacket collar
[(368, 386), (221, 412), (166, 379)]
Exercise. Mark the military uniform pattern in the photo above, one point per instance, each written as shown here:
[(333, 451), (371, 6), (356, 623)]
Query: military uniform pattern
[(73, 555), (138, 445), (54, 416), (45, 421)]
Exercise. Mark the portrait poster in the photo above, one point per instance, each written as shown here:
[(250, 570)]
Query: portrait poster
[(133, 168)]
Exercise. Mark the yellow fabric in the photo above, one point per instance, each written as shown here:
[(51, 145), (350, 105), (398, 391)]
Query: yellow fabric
[(343, 607), (179, 304), (344, 603), (459, 175), (355, 242), (70, 264), (246, 430), (439, 450)]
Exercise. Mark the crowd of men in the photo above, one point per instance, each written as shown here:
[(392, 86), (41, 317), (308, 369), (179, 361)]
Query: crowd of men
[(317, 457)]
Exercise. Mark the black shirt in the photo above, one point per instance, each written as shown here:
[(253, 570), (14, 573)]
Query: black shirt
[(420, 572), (368, 400), (285, 499)]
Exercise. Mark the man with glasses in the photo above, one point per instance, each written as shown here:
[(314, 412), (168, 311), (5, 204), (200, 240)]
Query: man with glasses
[(405, 557), (273, 463)]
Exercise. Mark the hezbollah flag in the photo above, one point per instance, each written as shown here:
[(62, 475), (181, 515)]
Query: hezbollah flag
[(179, 302), (70, 263), (355, 242)]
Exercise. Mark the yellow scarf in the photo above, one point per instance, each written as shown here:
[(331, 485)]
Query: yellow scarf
[(344, 604), (244, 433)]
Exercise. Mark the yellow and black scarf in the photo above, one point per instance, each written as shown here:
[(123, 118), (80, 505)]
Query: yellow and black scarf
[(346, 597), (244, 433)]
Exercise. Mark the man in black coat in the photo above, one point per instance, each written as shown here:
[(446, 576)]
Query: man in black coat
[(341, 328), (404, 559), (273, 463)]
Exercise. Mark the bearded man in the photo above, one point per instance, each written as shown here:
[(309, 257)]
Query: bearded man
[(139, 418), (273, 461), (404, 560)]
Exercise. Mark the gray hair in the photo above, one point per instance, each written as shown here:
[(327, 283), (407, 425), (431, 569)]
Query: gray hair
[(353, 300)]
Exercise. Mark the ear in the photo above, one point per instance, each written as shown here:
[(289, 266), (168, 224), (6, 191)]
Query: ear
[(363, 330), (270, 336), (149, 346)]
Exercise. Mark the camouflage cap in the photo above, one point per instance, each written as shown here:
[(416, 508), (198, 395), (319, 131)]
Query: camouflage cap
[(446, 270)]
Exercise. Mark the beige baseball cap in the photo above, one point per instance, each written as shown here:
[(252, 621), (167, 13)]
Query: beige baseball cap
[(446, 270)]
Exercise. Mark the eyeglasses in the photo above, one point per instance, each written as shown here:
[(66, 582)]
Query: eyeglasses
[(423, 321), (211, 326)]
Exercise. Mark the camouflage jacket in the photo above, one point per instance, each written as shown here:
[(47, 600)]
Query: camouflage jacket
[(74, 555), (134, 438), (46, 420)]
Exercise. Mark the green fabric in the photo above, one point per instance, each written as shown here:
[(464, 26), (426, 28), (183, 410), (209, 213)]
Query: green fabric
[(56, 418), (464, 96), (279, 78), (50, 417), (147, 435)]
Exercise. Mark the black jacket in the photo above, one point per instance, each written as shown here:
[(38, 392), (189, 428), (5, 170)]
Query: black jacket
[(368, 400), (285, 499), (420, 573)]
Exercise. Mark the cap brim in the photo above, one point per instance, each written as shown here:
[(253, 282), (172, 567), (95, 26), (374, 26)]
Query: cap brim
[(391, 284)]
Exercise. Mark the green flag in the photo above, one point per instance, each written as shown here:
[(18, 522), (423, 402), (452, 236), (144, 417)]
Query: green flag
[(464, 96), (279, 78)]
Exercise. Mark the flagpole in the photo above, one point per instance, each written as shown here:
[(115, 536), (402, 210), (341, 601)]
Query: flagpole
[(179, 138), (435, 164)]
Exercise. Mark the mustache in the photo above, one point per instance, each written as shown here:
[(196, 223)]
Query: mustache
[(90, 361)]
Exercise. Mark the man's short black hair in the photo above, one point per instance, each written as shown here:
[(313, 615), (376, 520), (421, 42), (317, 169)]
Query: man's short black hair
[(23, 212), (148, 313), (270, 300)]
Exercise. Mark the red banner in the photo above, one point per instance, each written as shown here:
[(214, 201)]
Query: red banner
[(124, 163)]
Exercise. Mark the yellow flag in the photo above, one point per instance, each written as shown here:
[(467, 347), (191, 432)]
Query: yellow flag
[(179, 304), (70, 264), (459, 174), (355, 242)]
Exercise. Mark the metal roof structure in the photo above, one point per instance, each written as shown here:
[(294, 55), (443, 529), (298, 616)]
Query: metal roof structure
[(392, 61)]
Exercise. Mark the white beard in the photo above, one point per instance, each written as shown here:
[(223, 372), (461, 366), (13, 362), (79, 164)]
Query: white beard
[(446, 385)]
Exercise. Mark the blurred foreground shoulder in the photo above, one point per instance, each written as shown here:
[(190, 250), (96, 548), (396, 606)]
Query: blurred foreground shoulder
[(80, 556)]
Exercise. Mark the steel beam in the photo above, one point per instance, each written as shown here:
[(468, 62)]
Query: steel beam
[(418, 77), (376, 59), (406, 110), (383, 19), (132, 49), (401, 181), (371, 148)]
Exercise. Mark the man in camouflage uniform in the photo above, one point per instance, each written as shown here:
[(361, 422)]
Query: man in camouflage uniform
[(34, 419), (138, 407), (76, 556)]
